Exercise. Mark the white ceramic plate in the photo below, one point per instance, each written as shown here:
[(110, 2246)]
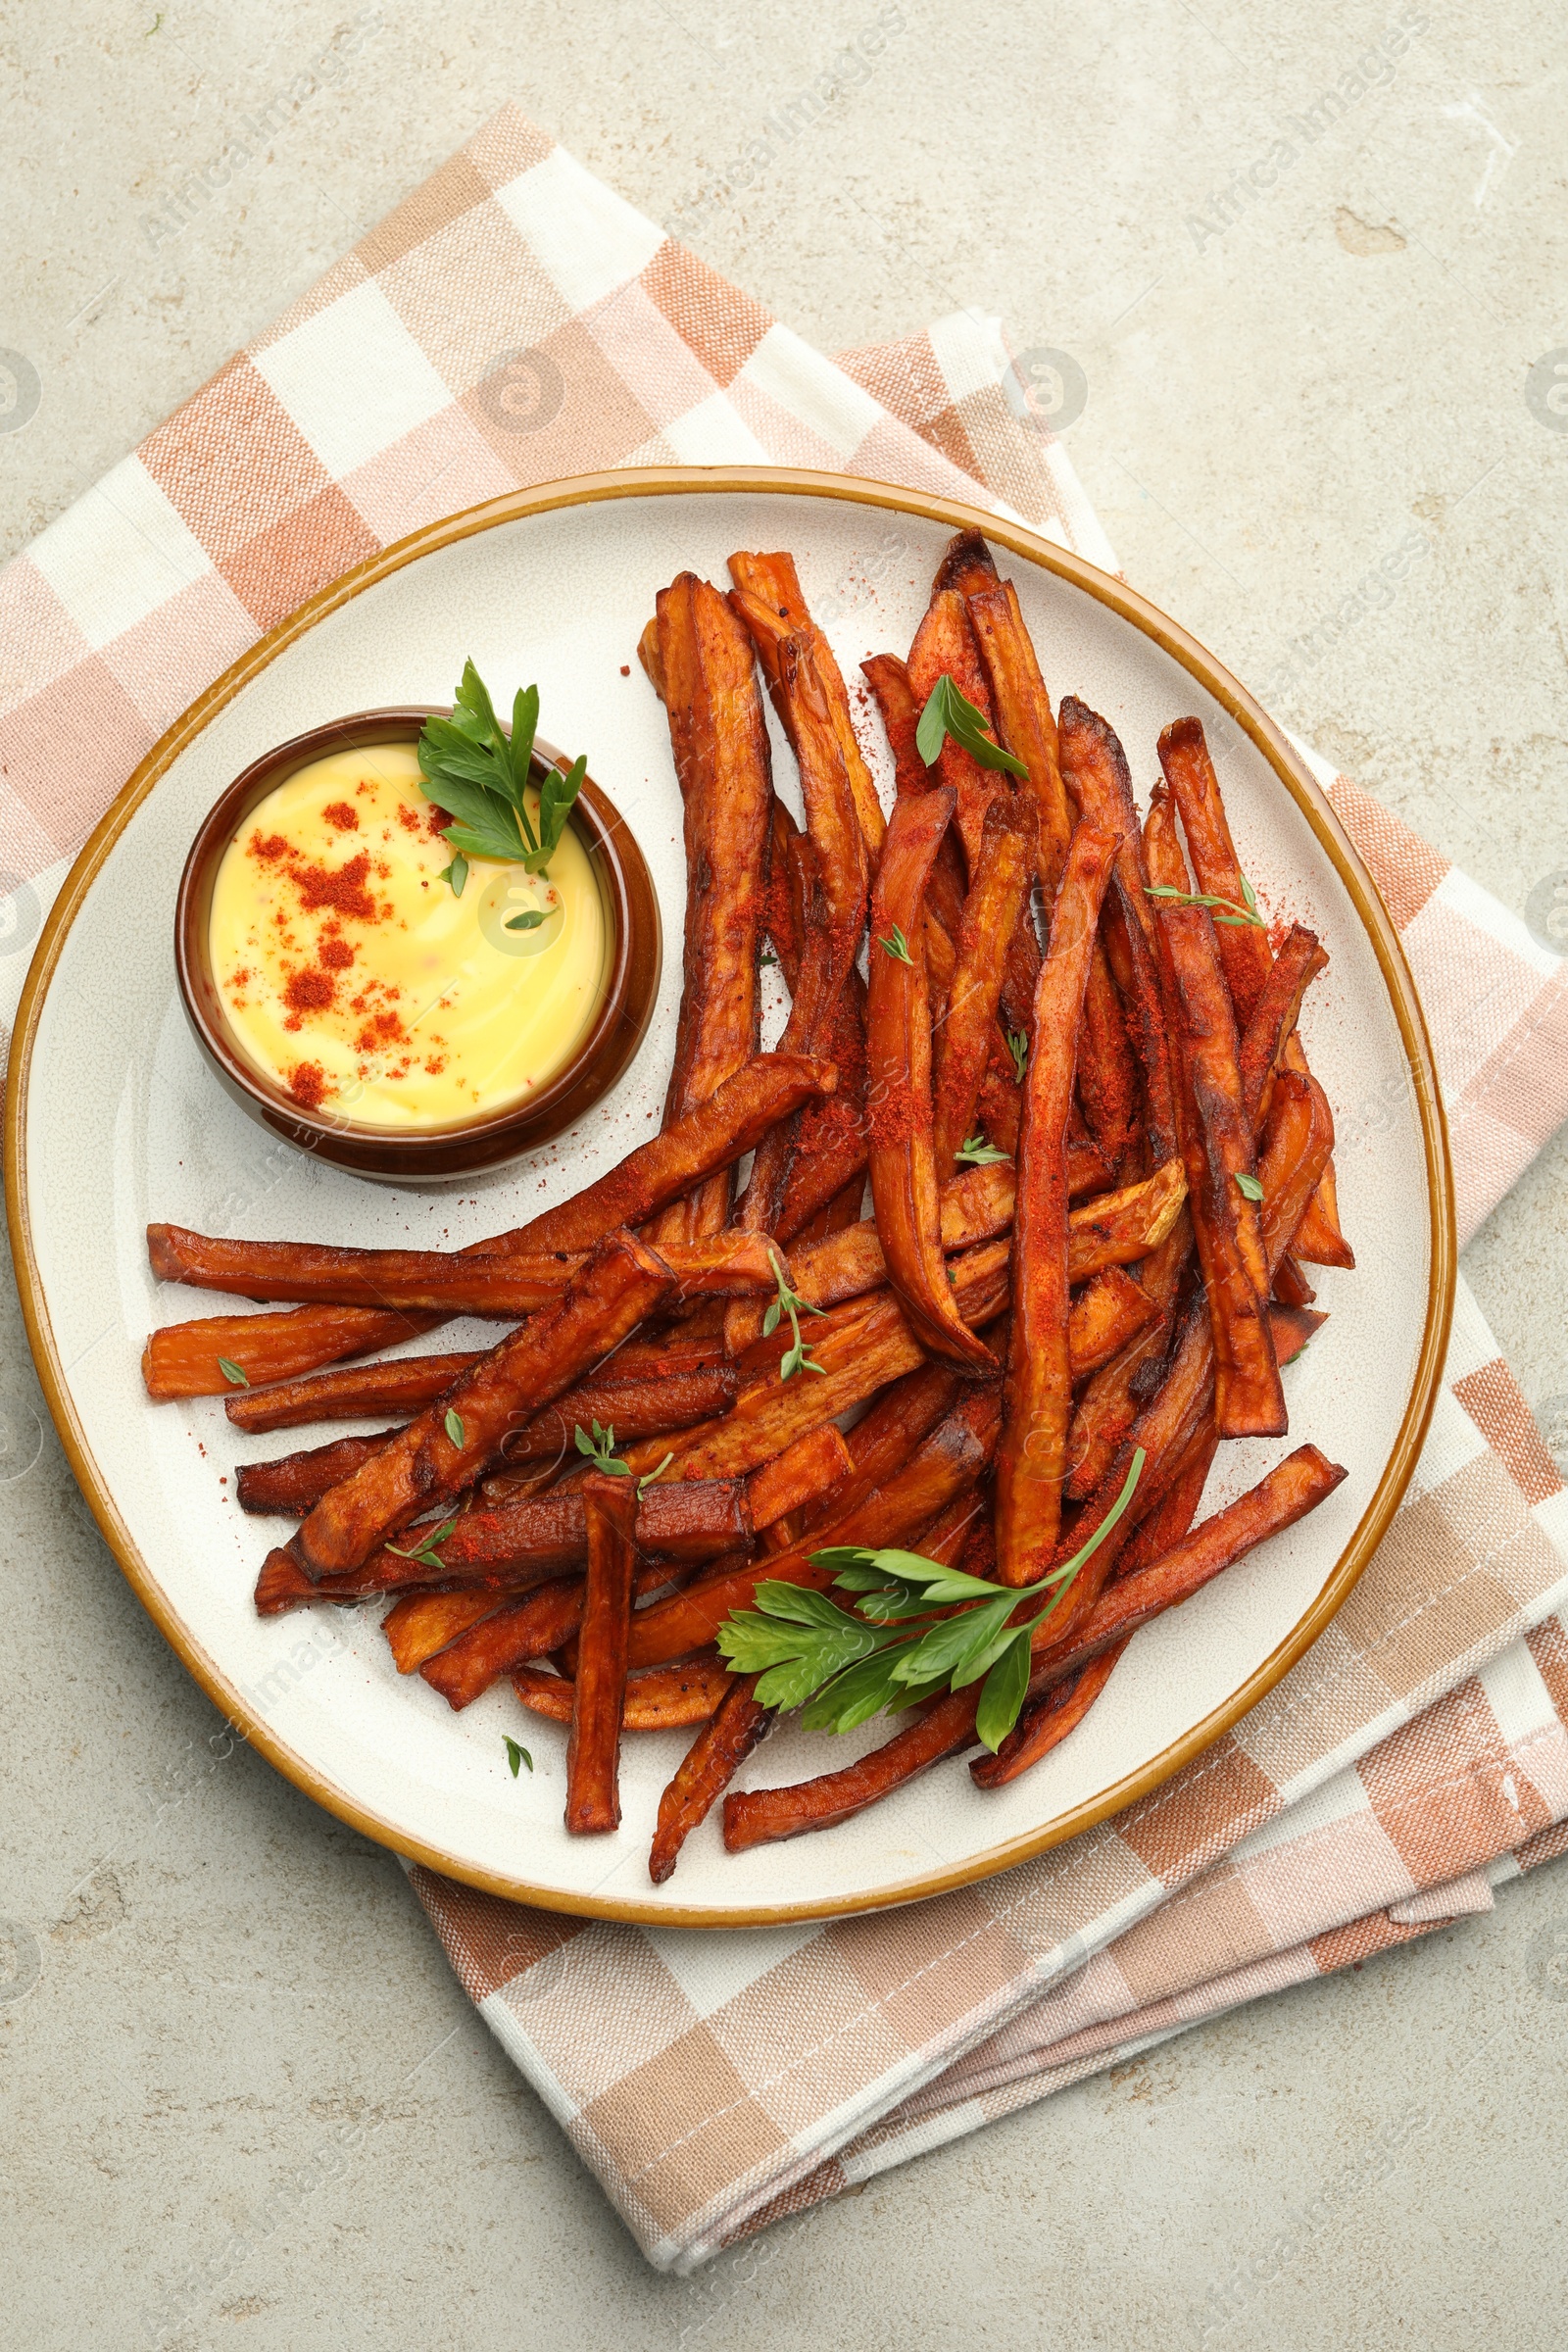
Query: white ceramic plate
[(114, 1119)]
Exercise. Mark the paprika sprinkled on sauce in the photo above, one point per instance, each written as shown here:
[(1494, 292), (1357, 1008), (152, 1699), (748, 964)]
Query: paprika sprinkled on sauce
[(355, 977)]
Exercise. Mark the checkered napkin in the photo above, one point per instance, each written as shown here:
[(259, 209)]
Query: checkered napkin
[(513, 322)]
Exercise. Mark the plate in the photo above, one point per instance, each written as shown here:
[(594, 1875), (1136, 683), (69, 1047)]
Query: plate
[(112, 1119)]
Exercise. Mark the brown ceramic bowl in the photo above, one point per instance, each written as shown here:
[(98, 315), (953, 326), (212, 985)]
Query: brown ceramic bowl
[(437, 1154)]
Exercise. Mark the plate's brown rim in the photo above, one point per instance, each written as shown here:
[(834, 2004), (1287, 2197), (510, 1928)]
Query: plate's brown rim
[(1296, 780)]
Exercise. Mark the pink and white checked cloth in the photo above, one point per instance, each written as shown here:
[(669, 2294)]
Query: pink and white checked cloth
[(513, 322)]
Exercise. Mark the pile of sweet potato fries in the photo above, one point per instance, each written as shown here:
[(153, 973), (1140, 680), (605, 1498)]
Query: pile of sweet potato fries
[(1062, 1046)]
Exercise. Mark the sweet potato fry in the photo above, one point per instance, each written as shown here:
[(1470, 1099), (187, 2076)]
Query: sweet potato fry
[(463, 1669), (967, 566), (1318, 1236), (445, 1449), (1024, 725), (889, 680), (1297, 964), (1097, 781), (783, 894), (1130, 948), (708, 1765), (1033, 1459), (830, 1144), (186, 1359), (402, 1384), (295, 1482), (760, 1816), (1117, 1393), (633, 1408), (418, 1628), (859, 1348), (662, 1699), (1297, 1485), (944, 644), (1108, 1081), (707, 682), (953, 1455), (1298, 1142), (773, 579), (709, 1137), (599, 1693), (1058, 1711), (1106, 1314), (1172, 1516), (817, 724), (1118, 1229), (1293, 1327), (183, 1359), (992, 912), (884, 1438), (283, 1585), (803, 1477), (904, 1185), (1189, 771), (503, 1285), (1244, 946), (512, 1548), (1218, 1143)]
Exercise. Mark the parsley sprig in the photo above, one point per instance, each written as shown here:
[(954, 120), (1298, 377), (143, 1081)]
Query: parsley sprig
[(790, 1303), (976, 1153), (1018, 1047), (898, 1648), (897, 945), (480, 777), (1227, 911), (948, 712)]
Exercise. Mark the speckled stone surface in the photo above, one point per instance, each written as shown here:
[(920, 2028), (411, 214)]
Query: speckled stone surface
[(1293, 368)]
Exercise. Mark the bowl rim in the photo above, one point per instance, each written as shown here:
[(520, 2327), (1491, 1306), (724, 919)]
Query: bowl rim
[(460, 1148), (1294, 778)]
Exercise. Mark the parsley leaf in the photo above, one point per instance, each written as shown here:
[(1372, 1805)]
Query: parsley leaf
[(1249, 1186), (897, 945), (948, 712), (1018, 1047), (480, 777), (232, 1373), (897, 1646), (453, 1428), (516, 1755)]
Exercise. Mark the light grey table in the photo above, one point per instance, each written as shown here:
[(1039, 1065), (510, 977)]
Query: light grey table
[(1294, 365)]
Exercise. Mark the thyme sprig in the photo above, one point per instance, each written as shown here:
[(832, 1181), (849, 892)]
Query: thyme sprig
[(789, 1302), (1226, 911)]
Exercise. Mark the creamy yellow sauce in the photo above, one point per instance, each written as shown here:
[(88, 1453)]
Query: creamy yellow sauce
[(354, 977)]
